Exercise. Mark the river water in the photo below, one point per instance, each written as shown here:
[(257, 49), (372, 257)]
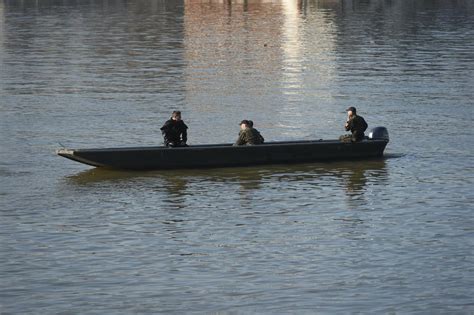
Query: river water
[(394, 235)]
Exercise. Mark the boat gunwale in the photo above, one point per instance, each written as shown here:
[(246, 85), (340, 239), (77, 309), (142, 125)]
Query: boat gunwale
[(216, 146)]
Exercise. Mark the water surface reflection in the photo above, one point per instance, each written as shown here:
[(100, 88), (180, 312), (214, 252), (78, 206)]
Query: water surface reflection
[(241, 198), (354, 176), (273, 239)]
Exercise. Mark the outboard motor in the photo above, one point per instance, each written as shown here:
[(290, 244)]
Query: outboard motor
[(379, 133)]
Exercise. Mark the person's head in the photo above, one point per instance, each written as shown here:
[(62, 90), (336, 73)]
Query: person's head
[(244, 124), (250, 123), (176, 115), (351, 111)]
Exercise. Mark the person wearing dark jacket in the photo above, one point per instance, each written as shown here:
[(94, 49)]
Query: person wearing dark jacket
[(248, 135), (175, 131), (356, 125)]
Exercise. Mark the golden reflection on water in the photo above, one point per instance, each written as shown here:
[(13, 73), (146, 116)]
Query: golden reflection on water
[(301, 35), (292, 82), (226, 42)]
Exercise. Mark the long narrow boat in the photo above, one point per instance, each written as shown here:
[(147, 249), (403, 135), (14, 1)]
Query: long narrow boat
[(227, 155)]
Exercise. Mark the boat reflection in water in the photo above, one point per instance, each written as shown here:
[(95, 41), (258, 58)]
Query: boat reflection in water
[(353, 176)]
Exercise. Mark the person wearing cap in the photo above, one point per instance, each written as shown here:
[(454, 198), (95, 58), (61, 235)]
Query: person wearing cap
[(248, 135), (356, 125), (174, 131)]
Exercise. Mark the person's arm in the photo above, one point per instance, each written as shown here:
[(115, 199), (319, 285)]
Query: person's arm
[(165, 131), (240, 139), (184, 134), (348, 125), (260, 137), (166, 126), (364, 125)]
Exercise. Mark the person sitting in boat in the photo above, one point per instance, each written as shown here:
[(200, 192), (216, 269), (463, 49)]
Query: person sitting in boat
[(175, 131), (356, 125), (251, 126), (248, 135)]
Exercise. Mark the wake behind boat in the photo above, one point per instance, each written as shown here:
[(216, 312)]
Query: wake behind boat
[(227, 155)]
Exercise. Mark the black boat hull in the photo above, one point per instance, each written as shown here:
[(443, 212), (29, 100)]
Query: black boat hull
[(226, 155)]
